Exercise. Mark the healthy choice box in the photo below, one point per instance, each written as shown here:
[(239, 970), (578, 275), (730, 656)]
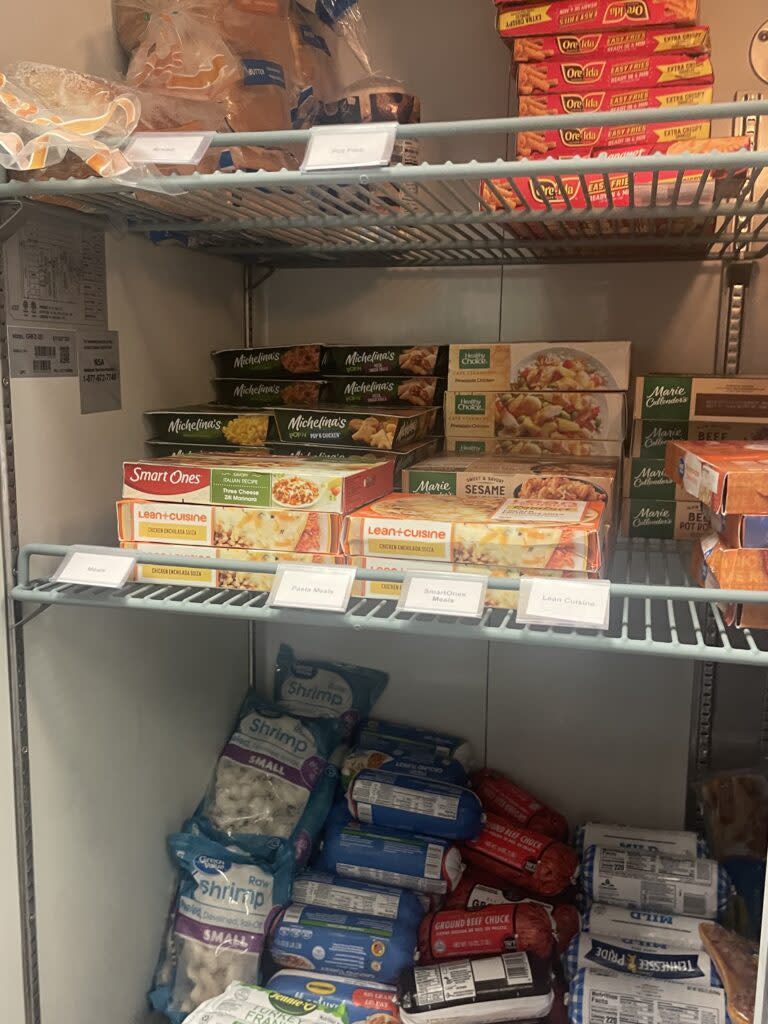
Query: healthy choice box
[(552, 18), (385, 360), (534, 447), (650, 437), (633, 43), (685, 398), (558, 416), (512, 533), (730, 478), (533, 366), (389, 428), (209, 425), (663, 520), (265, 482), (583, 75), (292, 361)]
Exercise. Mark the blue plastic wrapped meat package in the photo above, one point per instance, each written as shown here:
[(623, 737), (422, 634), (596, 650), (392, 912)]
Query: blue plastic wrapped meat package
[(358, 945), (650, 881), (643, 929), (224, 908), (621, 998), (265, 779), (667, 842), (313, 688), (409, 804), (385, 856), (426, 766), (685, 964), (322, 889), (408, 741), (363, 1002)]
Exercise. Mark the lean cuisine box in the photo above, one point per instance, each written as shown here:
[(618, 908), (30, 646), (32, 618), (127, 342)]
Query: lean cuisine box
[(629, 44), (228, 526), (534, 447), (554, 415), (294, 361), (663, 520), (262, 394), (210, 425), (269, 481), (509, 533), (685, 398), (389, 429), (387, 360), (552, 18), (730, 478), (585, 75), (531, 366), (374, 390), (650, 437)]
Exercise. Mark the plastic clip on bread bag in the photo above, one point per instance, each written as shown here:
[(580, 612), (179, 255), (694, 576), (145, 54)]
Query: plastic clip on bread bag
[(241, 1003), (517, 855), (224, 908), (315, 688), (265, 776), (501, 796), (640, 840), (640, 881), (485, 990), (624, 1000), (322, 889), (359, 945), (524, 927), (408, 741), (363, 1003), (415, 805), (436, 769), (693, 966), (422, 863)]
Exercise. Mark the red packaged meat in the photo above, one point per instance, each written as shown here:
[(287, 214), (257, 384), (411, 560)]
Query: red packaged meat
[(505, 928), (518, 855), (501, 796)]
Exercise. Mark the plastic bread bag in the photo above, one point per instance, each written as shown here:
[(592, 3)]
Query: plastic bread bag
[(409, 741), (326, 689), (411, 804), (360, 945), (625, 1000), (649, 881), (48, 113), (431, 767), (640, 840), (240, 1003), (503, 797), (316, 65), (736, 960), (363, 1002), (345, 18), (225, 905), (323, 889), (691, 965), (265, 776)]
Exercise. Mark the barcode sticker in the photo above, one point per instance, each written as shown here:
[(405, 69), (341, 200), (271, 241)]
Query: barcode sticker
[(42, 366), (429, 987), (694, 905), (517, 969), (41, 352), (45, 351), (434, 862)]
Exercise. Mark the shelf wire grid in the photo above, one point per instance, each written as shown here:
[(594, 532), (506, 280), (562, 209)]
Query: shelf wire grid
[(655, 609)]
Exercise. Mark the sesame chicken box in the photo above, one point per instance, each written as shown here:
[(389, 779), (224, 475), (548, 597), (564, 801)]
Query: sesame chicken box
[(537, 366), (267, 481), (210, 425), (509, 533), (586, 75), (553, 18), (630, 43), (731, 478), (388, 428)]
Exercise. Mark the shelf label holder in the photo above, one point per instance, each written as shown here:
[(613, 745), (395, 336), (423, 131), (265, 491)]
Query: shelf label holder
[(584, 604), (319, 588), (443, 593), (95, 567), (346, 147)]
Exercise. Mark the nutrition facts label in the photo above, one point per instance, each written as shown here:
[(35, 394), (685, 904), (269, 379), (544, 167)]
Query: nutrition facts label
[(465, 980), (663, 883), (611, 999), (410, 800), (351, 901)]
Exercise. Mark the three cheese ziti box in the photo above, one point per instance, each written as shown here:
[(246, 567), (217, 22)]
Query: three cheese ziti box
[(269, 481), (628, 44), (684, 398), (533, 366), (553, 18), (730, 478)]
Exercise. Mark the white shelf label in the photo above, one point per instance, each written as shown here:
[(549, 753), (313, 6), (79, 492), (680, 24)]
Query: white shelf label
[(322, 588), (553, 602), (435, 593), (339, 147), (168, 147), (100, 567)]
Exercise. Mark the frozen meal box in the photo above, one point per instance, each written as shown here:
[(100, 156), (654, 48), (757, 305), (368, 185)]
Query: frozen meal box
[(533, 448), (261, 394), (491, 477), (533, 366), (268, 481), (228, 579), (512, 533), (209, 424), (646, 480), (663, 520), (162, 449), (387, 360), (228, 526), (390, 428), (681, 397), (628, 44), (650, 437), (293, 361), (409, 455), (730, 477), (374, 390), (706, 560), (735, 568), (559, 416), (552, 18), (741, 531), (585, 74)]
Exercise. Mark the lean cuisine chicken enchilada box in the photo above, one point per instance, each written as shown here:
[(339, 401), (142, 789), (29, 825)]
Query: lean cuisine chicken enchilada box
[(508, 533)]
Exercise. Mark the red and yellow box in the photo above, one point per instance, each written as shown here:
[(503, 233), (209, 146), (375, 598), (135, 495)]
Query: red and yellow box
[(534, 19), (730, 477), (640, 42), (586, 75), (713, 565)]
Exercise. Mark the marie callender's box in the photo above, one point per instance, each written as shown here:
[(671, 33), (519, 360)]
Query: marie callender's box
[(683, 398)]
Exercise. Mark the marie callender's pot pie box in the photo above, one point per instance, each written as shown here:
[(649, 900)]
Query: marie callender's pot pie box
[(511, 533)]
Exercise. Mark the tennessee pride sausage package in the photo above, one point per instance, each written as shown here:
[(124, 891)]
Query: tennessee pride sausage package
[(517, 855), (644, 929), (362, 1002), (415, 805), (625, 1000), (640, 840), (419, 764), (690, 965), (405, 741), (321, 889)]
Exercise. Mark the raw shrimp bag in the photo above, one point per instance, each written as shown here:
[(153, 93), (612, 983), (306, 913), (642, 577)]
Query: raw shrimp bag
[(415, 805), (361, 1001), (436, 769), (322, 889), (223, 910), (685, 964), (314, 688), (407, 741), (501, 796), (265, 777), (354, 944)]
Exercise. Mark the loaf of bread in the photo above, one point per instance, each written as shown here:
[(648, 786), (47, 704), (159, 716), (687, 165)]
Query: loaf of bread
[(736, 961)]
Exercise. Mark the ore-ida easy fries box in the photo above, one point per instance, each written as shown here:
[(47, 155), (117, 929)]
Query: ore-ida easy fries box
[(586, 75), (533, 19), (632, 43)]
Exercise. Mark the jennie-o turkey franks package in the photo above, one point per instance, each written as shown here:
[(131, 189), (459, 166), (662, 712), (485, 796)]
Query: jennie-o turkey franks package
[(527, 19)]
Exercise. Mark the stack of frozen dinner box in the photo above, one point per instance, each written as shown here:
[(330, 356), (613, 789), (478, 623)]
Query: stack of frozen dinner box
[(683, 407)]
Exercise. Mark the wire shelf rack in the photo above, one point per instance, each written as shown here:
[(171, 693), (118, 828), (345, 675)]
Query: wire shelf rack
[(655, 609), (674, 206)]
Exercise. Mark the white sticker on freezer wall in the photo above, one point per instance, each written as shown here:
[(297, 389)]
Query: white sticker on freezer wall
[(99, 367), (56, 274), (42, 351)]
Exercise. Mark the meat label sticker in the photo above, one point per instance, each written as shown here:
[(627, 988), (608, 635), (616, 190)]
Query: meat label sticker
[(100, 567), (322, 588), (338, 147), (553, 602), (440, 593)]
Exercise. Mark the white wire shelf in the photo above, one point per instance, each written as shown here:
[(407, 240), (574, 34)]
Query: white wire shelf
[(655, 609), (658, 207)]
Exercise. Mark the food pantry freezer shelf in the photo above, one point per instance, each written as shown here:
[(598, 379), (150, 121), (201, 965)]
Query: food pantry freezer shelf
[(655, 612), (432, 215)]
